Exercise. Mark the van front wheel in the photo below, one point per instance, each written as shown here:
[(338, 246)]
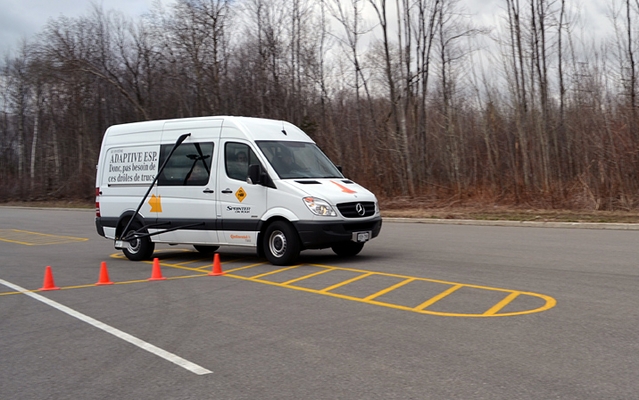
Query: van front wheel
[(281, 244), (139, 248)]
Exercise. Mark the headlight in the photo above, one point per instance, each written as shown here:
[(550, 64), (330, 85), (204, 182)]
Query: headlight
[(319, 207)]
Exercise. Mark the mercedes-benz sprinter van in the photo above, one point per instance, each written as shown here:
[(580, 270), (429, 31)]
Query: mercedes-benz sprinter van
[(227, 181)]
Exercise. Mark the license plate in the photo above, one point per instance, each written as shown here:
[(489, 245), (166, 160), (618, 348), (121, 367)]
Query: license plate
[(361, 236)]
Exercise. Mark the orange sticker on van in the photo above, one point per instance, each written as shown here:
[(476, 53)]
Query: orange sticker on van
[(155, 203)]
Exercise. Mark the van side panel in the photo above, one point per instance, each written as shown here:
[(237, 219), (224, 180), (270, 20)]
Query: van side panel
[(240, 205), (187, 200), (127, 165)]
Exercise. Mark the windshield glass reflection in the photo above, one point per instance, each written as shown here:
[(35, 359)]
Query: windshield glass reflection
[(295, 160)]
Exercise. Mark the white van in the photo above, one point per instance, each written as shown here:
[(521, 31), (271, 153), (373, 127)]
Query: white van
[(227, 181)]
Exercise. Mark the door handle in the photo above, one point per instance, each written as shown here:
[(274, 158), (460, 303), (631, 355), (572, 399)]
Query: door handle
[(227, 190), (207, 190)]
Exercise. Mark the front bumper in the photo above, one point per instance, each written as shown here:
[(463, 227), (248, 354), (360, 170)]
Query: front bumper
[(319, 235)]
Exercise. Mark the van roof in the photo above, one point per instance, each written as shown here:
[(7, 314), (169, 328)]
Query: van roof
[(253, 128)]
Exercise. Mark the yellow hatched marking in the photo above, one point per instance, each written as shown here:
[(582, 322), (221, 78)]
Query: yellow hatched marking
[(440, 296), (550, 302), (497, 307), (421, 309), (180, 265), (389, 289), (346, 282), (245, 267), (274, 272), (29, 238), (197, 261), (308, 276), (210, 265)]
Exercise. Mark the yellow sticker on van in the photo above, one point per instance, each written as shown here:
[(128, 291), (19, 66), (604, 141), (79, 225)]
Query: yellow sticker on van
[(240, 194)]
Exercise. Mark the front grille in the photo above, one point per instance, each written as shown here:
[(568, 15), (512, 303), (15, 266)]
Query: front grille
[(350, 210)]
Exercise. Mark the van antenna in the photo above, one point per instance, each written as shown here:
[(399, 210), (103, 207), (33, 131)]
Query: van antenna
[(283, 131)]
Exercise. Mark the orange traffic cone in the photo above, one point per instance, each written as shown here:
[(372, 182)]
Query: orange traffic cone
[(217, 267), (48, 280), (104, 275), (156, 274)]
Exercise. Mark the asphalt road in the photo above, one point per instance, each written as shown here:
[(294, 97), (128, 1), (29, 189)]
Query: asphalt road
[(426, 311)]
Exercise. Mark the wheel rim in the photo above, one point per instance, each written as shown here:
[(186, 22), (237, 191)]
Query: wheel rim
[(277, 244), (134, 245)]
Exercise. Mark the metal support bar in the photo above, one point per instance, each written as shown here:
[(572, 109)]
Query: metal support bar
[(181, 139)]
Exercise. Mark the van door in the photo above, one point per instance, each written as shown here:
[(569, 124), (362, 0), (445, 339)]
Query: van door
[(186, 187), (241, 204)]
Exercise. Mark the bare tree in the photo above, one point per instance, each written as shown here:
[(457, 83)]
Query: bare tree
[(397, 129), (351, 21)]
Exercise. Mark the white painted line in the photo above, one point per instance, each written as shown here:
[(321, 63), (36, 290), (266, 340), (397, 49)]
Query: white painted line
[(196, 369)]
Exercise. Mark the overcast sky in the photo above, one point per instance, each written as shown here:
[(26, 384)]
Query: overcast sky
[(23, 18)]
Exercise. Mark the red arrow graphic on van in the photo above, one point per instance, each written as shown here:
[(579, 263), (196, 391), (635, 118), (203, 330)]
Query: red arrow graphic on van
[(344, 188)]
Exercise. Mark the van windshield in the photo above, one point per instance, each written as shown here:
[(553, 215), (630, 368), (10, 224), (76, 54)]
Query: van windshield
[(295, 160)]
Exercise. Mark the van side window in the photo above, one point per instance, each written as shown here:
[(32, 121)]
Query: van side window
[(237, 158), (190, 164)]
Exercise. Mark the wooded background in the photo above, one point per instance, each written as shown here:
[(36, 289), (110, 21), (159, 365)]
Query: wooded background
[(414, 98)]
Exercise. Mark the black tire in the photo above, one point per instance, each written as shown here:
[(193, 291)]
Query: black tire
[(281, 243), (140, 248), (259, 247), (204, 249), (347, 249)]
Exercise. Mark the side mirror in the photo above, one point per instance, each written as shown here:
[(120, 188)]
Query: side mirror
[(254, 174)]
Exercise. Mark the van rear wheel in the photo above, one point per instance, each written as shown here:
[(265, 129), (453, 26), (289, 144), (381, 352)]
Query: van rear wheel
[(139, 248), (281, 244), (347, 249)]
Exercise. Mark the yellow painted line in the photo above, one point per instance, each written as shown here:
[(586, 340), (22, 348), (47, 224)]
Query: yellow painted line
[(493, 311), (176, 266), (9, 293), (422, 308), (28, 238), (245, 267), (435, 299), (323, 271), (497, 307), (15, 242), (208, 267), (389, 289), (274, 272), (182, 265), (346, 282), (550, 302), (208, 260), (114, 283)]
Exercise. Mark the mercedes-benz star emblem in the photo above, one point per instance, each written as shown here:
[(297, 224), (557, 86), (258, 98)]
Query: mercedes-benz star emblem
[(360, 209)]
